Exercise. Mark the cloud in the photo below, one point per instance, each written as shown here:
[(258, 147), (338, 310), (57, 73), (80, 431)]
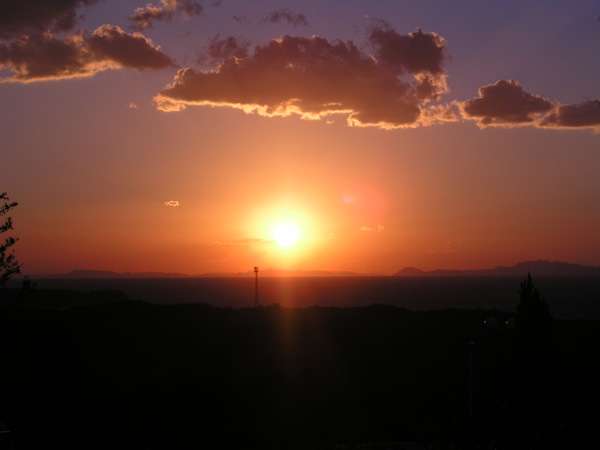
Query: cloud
[(505, 103), (246, 242), (285, 15), (133, 50), (46, 57), (133, 105), (372, 229), (417, 53), (18, 17), (574, 116), (348, 199), (145, 16), (227, 48), (173, 204), (315, 78)]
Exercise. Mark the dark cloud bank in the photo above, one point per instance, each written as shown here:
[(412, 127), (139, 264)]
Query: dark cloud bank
[(398, 81), (33, 45), (227, 48), (314, 78), (18, 17), (46, 57)]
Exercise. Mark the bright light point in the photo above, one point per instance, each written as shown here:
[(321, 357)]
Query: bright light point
[(286, 234)]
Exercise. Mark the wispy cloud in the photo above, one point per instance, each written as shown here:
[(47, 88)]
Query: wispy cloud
[(285, 15), (145, 16), (244, 242), (372, 228), (173, 203)]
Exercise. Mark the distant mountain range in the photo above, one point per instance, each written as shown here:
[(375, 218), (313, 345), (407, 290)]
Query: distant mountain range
[(107, 274), (538, 268), (299, 273), (89, 274)]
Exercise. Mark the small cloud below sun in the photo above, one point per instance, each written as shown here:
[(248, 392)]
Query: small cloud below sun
[(173, 203), (348, 199), (372, 229)]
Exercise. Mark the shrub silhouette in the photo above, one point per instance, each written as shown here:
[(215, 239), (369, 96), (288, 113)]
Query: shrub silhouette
[(9, 265)]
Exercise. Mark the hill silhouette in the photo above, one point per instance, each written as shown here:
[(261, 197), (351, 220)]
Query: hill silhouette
[(538, 267), (109, 274), (521, 269), (92, 274)]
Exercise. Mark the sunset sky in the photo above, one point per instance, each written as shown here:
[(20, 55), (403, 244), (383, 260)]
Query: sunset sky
[(213, 136)]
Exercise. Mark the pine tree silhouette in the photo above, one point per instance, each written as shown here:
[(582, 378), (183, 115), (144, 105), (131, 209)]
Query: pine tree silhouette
[(533, 314)]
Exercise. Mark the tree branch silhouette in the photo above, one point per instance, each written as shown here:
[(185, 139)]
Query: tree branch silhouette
[(9, 265)]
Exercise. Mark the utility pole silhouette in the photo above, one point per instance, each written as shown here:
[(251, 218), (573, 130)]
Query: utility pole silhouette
[(256, 300)]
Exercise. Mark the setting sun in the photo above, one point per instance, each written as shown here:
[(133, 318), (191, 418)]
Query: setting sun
[(286, 234)]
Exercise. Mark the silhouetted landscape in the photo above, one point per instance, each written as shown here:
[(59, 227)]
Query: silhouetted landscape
[(572, 297), (97, 369), (540, 267)]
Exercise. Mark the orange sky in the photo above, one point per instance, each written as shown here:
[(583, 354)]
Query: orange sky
[(363, 201), (93, 160)]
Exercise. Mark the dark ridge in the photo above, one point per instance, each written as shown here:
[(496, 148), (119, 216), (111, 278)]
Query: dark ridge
[(538, 268)]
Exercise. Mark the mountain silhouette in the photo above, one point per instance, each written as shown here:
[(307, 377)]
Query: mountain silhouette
[(90, 274), (83, 274), (538, 267)]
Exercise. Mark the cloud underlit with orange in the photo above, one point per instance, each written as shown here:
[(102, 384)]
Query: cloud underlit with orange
[(315, 78), (507, 104), (46, 57), (574, 116)]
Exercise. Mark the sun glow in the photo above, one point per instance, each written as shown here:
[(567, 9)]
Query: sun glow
[(285, 234)]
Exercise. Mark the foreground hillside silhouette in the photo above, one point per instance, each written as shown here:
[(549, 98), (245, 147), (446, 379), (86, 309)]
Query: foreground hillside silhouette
[(97, 370)]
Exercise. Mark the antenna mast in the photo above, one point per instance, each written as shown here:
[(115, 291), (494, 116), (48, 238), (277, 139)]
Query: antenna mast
[(256, 300)]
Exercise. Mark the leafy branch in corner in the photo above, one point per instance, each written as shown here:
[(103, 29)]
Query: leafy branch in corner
[(9, 265)]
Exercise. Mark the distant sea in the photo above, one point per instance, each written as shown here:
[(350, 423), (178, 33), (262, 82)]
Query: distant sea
[(568, 297)]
